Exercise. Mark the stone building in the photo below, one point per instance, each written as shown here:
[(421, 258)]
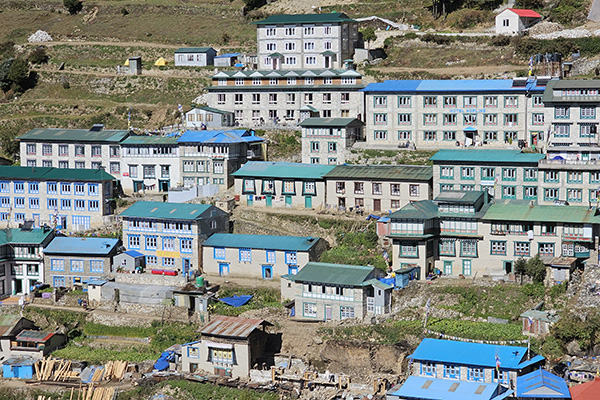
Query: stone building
[(328, 140)]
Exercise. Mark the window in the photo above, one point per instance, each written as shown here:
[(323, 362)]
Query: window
[(327, 81), (447, 247), (409, 249), (500, 376), (404, 119), (327, 30), (588, 112), (186, 245), (522, 249), (245, 255), (561, 112), (530, 192), (413, 190), (562, 130), (404, 101), (380, 135), (509, 192), (151, 260), (451, 371), (310, 61), (498, 248), (291, 257), (345, 98), (430, 101), (467, 173), (168, 262), (346, 312), (468, 248), (429, 135), (79, 205), (76, 265), (428, 368), (511, 101), (510, 119), (404, 135), (57, 265), (65, 204), (309, 30), (270, 47), (537, 119), (585, 130), (290, 31), (309, 310), (52, 204), (134, 241), (289, 187), (449, 119), (475, 374), (488, 174), (348, 81), (309, 188), (447, 172), (31, 148), (490, 101), (551, 176), (449, 102), (380, 119), (34, 202), (219, 253), (490, 119), (574, 195), (379, 101), (530, 174), (574, 177), (469, 101), (96, 151), (151, 242), (395, 189), (79, 151), (218, 167), (270, 256), (490, 136), (509, 174), (546, 249), (290, 60), (168, 243), (19, 202), (429, 119)]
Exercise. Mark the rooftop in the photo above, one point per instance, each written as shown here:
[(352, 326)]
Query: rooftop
[(232, 326), (160, 210), (33, 336), (219, 136), (462, 85), (75, 135), (457, 196), (384, 172), (560, 85), (329, 122), (193, 49), (12, 172), (83, 246), (339, 274), (304, 19), (270, 242), (542, 384), (525, 13), (302, 73), (23, 236), (486, 156), (424, 209), (476, 354), (213, 110), (8, 323), (544, 316), (282, 170), (586, 391), (419, 387), (149, 140), (507, 210)]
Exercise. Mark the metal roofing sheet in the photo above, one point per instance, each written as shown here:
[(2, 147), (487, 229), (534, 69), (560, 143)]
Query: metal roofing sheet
[(81, 246), (231, 326), (213, 110), (486, 156), (75, 135), (455, 196), (282, 170), (424, 209), (160, 210), (526, 13), (476, 354), (150, 139), (335, 122), (53, 174), (7, 323), (304, 18), (20, 236), (133, 253), (586, 391), (419, 387), (283, 73), (33, 336), (542, 384), (506, 210), (271, 242), (462, 85), (384, 172), (545, 316), (218, 136), (193, 49), (339, 274)]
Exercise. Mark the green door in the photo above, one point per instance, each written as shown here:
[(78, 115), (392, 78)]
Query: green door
[(447, 267), (466, 267), (249, 200), (269, 200), (307, 201), (288, 201)]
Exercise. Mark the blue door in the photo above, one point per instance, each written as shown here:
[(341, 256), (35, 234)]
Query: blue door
[(185, 266), (267, 271), (269, 199), (223, 269), (249, 200), (307, 201), (288, 201)]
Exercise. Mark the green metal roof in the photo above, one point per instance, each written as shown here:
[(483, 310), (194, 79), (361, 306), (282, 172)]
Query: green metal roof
[(485, 156), (146, 139), (425, 209), (382, 172), (304, 19), (378, 284), (20, 236), (12, 172), (329, 122), (159, 210), (457, 196), (213, 110), (567, 84), (282, 170), (193, 49), (507, 210), (75, 135), (337, 274), (270, 242)]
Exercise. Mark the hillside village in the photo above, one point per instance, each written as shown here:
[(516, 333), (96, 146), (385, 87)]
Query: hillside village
[(303, 215)]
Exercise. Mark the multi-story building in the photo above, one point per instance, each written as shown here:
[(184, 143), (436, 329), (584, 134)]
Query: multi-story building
[(450, 113), (569, 181), (305, 41), (377, 187), (287, 97), (22, 262), (170, 235), (72, 261), (73, 148), (258, 256), (150, 163), (328, 140), (281, 184), (505, 174), (72, 199), (210, 157)]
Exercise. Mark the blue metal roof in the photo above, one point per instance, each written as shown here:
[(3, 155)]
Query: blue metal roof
[(133, 253), (228, 55), (418, 387), (219, 136), (282, 170), (83, 246), (462, 85), (476, 354), (542, 384), (271, 242)]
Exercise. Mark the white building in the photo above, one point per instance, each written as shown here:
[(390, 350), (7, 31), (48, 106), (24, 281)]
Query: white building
[(204, 117), (513, 21), (328, 140), (194, 56)]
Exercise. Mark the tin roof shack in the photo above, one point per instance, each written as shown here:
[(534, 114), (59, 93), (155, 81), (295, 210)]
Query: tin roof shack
[(36, 344), (542, 385), (559, 269), (334, 291), (130, 261), (421, 388), (19, 367), (230, 346), (194, 56), (10, 326), (538, 323)]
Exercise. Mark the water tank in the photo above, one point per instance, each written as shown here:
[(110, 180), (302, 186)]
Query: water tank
[(200, 281)]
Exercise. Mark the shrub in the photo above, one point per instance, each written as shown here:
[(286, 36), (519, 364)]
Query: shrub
[(73, 6), (500, 41), (124, 11), (38, 56), (466, 18)]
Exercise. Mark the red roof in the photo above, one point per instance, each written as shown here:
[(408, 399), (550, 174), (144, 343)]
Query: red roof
[(525, 13), (586, 391)]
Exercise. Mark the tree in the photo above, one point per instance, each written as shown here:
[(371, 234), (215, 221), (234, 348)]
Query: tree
[(536, 269), (520, 267), (18, 75), (38, 56), (368, 34), (5, 84), (73, 6), (253, 4)]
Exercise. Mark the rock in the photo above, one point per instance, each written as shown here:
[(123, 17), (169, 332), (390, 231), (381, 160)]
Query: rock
[(39, 36), (573, 348), (318, 340)]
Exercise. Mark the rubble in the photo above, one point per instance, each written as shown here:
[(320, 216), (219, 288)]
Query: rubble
[(545, 27), (39, 36), (567, 33)]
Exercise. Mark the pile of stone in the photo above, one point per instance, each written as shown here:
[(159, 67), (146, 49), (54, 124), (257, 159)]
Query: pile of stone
[(39, 36), (544, 28), (567, 33)]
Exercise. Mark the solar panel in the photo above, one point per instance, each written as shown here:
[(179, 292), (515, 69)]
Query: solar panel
[(480, 389), (427, 384), (454, 387)]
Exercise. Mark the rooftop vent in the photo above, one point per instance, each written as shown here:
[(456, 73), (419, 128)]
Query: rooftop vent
[(97, 127)]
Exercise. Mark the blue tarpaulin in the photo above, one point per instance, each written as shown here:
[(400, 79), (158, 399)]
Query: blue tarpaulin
[(163, 361), (389, 281), (236, 300)]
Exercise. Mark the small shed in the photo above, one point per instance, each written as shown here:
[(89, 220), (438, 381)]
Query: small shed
[(135, 65), (405, 275), (536, 322), (513, 21), (18, 367), (129, 261), (558, 269), (226, 60), (194, 56), (204, 117), (94, 289)]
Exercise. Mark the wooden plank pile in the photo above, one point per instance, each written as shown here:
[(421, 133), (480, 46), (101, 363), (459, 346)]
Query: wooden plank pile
[(115, 370), (54, 369), (99, 393)]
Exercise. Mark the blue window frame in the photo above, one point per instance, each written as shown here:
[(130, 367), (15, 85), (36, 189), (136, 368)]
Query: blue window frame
[(79, 189), (65, 188), (4, 187), (19, 202), (79, 205), (428, 368), (5, 202), (57, 264), (270, 256), (267, 272), (58, 281), (34, 187), (475, 374), (52, 187), (34, 202), (219, 253), (168, 243), (451, 371), (19, 187), (52, 204), (97, 266), (93, 205), (151, 260), (168, 262), (500, 376), (133, 241), (245, 255), (291, 257), (93, 189), (292, 269), (186, 245), (76, 265), (19, 217), (65, 204)]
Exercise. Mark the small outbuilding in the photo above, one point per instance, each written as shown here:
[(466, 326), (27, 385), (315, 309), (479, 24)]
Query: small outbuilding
[(129, 261), (204, 117), (18, 367), (538, 323), (194, 56), (226, 60), (513, 21)]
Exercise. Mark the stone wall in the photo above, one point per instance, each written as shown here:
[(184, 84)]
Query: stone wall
[(150, 279)]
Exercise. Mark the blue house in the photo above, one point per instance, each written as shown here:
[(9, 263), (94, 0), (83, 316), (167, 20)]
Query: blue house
[(423, 388), (542, 385), (475, 362), (19, 367)]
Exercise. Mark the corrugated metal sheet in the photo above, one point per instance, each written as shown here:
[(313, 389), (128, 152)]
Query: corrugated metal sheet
[(424, 209), (284, 74), (231, 326), (7, 323), (336, 274), (219, 136), (304, 19), (271, 242), (542, 384), (84, 246), (486, 156), (75, 135), (159, 210), (282, 170), (383, 172), (431, 388), (452, 86), (53, 174), (192, 50), (33, 336), (519, 211), (147, 139), (329, 122), (470, 196)]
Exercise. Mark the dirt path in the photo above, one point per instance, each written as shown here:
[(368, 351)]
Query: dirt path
[(107, 43), (159, 74), (456, 70)]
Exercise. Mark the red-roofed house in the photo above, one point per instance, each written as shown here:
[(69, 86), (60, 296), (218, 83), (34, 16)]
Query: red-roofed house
[(586, 391), (514, 21), (36, 344)]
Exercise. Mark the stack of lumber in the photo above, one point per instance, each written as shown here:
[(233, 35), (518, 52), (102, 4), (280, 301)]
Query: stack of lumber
[(54, 369), (98, 373), (99, 393), (115, 370)]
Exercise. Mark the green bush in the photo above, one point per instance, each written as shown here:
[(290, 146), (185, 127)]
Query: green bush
[(466, 18), (124, 331), (73, 6), (500, 40), (569, 12)]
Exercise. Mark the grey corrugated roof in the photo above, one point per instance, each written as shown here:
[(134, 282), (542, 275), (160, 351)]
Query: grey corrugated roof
[(304, 19), (75, 135), (193, 49), (549, 96), (458, 196), (382, 172), (336, 274), (506, 210), (327, 122), (231, 326), (270, 242), (485, 156)]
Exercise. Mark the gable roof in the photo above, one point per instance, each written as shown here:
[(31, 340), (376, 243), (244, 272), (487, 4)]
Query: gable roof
[(506, 210), (458, 196), (542, 384), (330, 122), (160, 210), (477, 354), (83, 246), (75, 135), (10, 172), (219, 136), (304, 19), (421, 387), (268, 242), (586, 391), (193, 50), (211, 109), (8, 324), (282, 170), (525, 13), (544, 316), (33, 336), (387, 172), (150, 139), (23, 236), (232, 326), (339, 274), (486, 156), (424, 209)]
